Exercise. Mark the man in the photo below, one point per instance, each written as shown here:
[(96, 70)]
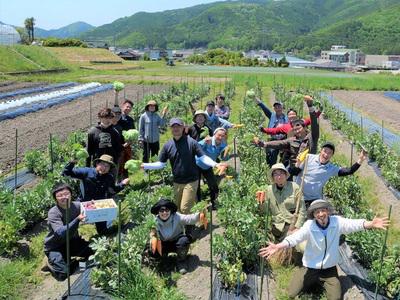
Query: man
[(181, 151), (284, 199), (214, 148), (56, 239), (301, 141), (321, 253), (97, 183), (320, 170), (213, 121), (199, 130), (276, 118), (103, 138), (221, 110), (126, 121), (149, 129)]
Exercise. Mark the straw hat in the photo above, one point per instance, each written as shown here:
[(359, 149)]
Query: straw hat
[(106, 158)]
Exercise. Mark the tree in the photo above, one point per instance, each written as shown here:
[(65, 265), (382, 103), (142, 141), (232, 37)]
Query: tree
[(30, 25)]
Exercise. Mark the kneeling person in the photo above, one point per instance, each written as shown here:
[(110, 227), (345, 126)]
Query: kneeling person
[(286, 204), (321, 254), (170, 230), (56, 239)]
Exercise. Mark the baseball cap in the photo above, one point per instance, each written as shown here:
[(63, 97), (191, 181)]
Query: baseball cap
[(175, 121)]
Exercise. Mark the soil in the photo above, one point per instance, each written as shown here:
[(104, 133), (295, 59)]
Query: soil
[(162, 78), (12, 86), (379, 187), (373, 104), (34, 128)]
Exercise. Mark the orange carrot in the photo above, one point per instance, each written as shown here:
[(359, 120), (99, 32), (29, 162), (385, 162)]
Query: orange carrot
[(260, 197), (159, 247), (153, 243), (203, 220)]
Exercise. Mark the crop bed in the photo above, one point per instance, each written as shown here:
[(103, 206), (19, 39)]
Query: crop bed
[(34, 128)]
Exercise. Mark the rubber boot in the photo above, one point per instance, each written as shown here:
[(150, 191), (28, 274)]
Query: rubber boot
[(190, 232), (182, 259)]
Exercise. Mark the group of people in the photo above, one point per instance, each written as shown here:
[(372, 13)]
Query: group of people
[(301, 217), (295, 193)]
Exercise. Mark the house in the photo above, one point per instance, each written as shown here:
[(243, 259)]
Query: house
[(382, 61), (128, 54), (340, 54)]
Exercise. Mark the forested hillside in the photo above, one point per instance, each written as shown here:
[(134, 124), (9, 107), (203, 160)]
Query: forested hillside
[(240, 25)]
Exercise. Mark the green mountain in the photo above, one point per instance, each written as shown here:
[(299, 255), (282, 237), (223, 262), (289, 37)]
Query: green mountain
[(375, 33), (248, 24), (72, 30)]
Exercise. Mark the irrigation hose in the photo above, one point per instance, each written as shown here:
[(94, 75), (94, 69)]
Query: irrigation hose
[(382, 254)]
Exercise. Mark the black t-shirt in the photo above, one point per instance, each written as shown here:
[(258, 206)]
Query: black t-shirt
[(197, 133), (103, 141), (126, 122), (181, 154)]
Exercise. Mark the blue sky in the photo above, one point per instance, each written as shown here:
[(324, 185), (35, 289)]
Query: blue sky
[(52, 14)]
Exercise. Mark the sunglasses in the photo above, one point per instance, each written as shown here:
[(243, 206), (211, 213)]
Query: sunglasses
[(162, 210)]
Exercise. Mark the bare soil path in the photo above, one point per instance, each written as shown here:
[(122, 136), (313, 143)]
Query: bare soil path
[(374, 105)]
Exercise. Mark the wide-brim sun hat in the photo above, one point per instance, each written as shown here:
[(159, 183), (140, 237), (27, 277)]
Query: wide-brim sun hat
[(278, 166), (199, 112), (318, 204), (151, 102), (106, 158), (163, 203)]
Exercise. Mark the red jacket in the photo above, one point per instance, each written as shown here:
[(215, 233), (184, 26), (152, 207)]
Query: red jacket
[(285, 128)]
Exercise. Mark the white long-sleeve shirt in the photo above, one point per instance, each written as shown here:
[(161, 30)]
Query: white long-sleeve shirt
[(322, 251)]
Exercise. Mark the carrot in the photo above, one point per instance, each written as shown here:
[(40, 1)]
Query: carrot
[(153, 243), (159, 247), (203, 220), (260, 197)]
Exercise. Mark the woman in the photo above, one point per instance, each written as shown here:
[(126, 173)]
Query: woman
[(169, 229)]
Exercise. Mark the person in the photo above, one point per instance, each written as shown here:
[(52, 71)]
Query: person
[(213, 121), (276, 118), (214, 147), (320, 170), (149, 129), (221, 110), (321, 232), (56, 239), (286, 204), (181, 151), (301, 141), (96, 183), (170, 229), (286, 128), (103, 138), (126, 121), (199, 130), (119, 171)]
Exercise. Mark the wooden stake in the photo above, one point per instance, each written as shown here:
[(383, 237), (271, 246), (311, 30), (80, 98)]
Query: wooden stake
[(15, 166)]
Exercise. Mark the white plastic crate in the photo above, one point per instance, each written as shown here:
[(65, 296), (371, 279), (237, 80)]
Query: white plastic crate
[(99, 214)]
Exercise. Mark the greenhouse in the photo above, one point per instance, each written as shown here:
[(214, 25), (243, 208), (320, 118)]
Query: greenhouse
[(8, 35)]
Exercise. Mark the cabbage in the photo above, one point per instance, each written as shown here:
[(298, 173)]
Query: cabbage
[(82, 154), (118, 86), (132, 165), (251, 94), (131, 135)]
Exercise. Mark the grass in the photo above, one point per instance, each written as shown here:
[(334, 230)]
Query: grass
[(11, 61), (41, 56), (17, 275), (83, 56)]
